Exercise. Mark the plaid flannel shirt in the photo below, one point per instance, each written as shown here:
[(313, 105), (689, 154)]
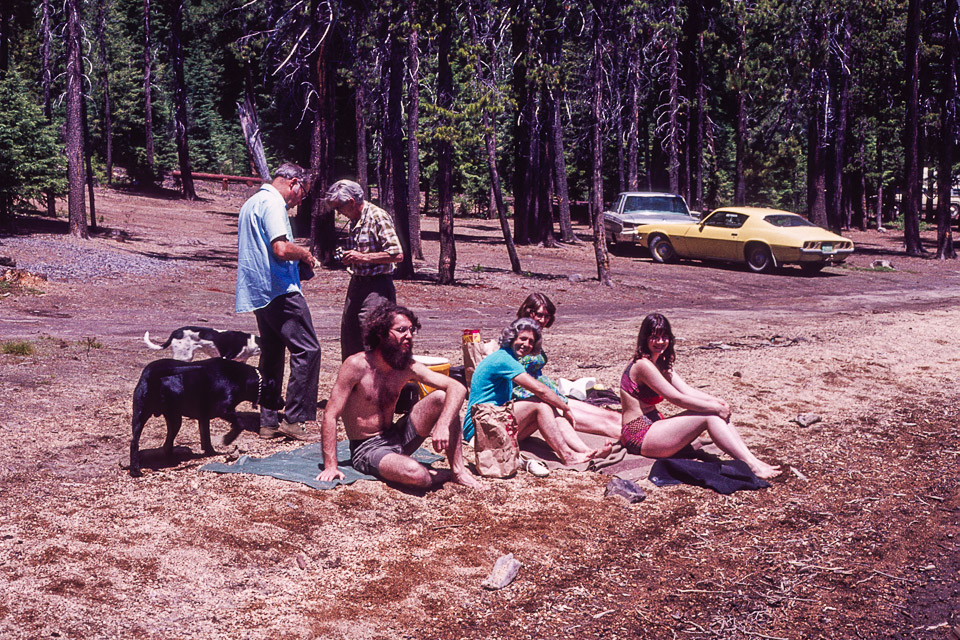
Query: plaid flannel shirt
[(373, 232)]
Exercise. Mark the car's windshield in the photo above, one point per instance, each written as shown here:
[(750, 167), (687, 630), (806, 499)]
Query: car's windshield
[(788, 220), (660, 204)]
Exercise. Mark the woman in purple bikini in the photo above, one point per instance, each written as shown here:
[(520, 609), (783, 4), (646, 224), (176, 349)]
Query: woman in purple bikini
[(650, 379)]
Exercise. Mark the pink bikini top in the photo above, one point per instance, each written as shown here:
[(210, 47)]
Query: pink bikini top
[(641, 392)]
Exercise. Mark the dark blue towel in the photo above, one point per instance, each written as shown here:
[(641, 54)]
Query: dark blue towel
[(723, 476)]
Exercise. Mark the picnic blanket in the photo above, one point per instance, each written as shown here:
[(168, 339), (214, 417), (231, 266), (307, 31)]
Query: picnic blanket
[(303, 464), (617, 463)]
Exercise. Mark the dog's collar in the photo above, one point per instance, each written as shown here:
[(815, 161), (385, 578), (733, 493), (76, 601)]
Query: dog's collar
[(259, 386)]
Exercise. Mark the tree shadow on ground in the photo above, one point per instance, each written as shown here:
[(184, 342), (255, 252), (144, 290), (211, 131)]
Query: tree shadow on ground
[(432, 278)]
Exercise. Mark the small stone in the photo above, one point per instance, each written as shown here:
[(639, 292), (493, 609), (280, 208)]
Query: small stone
[(504, 571), (626, 489), (737, 374), (574, 277), (807, 419), (302, 561)]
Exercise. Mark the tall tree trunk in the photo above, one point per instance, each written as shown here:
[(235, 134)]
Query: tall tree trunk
[(148, 92), (948, 116), (673, 103), (560, 174), (490, 145), (863, 177), (522, 122), (393, 143), (88, 162), (697, 106), (360, 122), (323, 237), (542, 187), (838, 161), (74, 125), (739, 180), (250, 125), (46, 82), (596, 154), (816, 164), (633, 112), (181, 125), (816, 145), (448, 249), (911, 171), (413, 119), (105, 61), (879, 211), (553, 117)]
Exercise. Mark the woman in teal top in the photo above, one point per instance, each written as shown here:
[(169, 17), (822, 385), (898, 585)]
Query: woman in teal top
[(589, 418), (493, 382)]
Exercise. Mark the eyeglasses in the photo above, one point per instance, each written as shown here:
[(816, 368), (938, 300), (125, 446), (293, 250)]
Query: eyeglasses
[(412, 330), (541, 316)]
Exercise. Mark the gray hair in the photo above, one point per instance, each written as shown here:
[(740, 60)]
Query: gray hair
[(344, 190), (509, 335), (291, 171)]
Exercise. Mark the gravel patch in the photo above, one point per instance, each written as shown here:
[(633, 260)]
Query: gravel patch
[(70, 260)]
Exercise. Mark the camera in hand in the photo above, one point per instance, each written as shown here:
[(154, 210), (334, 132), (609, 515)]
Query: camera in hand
[(306, 271), (338, 254)]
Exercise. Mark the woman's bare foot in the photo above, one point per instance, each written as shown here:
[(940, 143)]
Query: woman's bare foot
[(765, 471), (603, 451), (578, 458)]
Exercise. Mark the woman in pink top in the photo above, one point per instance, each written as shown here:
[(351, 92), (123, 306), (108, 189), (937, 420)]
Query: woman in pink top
[(650, 379)]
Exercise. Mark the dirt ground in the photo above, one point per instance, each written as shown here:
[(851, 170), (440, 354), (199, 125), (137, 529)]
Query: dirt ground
[(859, 538)]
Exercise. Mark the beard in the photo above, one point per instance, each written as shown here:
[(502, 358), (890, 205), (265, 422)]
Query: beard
[(399, 357)]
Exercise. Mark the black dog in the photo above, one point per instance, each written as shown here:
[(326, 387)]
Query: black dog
[(232, 345), (203, 390)]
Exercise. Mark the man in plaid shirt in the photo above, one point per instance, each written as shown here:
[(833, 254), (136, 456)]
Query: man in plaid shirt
[(374, 249)]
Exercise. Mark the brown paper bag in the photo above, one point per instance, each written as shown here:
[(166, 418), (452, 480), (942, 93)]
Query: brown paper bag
[(498, 454), (475, 350)]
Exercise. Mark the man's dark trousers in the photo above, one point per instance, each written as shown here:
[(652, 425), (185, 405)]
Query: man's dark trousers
[(285, 323)]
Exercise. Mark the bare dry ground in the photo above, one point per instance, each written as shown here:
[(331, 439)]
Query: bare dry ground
[(858, 539)]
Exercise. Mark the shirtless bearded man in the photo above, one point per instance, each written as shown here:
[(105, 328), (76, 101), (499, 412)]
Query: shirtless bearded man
[(365, 396)]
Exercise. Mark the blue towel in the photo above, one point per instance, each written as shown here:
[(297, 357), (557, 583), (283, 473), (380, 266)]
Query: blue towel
[(302, 465)]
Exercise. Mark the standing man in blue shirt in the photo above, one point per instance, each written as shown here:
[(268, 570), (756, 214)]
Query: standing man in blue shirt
[(268, 283)]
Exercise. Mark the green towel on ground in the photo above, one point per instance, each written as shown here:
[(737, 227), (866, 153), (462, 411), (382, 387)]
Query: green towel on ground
[(302, 465)]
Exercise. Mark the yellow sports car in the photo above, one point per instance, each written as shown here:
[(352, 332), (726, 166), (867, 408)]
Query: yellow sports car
[(761, 238)]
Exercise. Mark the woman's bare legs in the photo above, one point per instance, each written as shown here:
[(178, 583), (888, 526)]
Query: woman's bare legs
[(669, 435), (595, 420), (532, 416)]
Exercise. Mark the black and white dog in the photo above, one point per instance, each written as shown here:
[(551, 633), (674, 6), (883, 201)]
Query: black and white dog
[(203, 390), (232, 345)]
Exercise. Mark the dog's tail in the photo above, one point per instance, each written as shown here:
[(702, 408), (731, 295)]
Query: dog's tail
[(153, 345)]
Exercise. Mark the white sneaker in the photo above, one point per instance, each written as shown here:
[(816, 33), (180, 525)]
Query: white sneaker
[(535, 467)]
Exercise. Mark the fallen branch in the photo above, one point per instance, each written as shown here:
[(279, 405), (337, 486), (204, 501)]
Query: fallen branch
[(760, 635)]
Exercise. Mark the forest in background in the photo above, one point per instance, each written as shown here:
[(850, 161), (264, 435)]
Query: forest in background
[(831, 108)]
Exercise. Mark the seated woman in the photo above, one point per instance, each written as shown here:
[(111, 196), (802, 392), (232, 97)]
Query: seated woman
[(648, 380), (589, 418), (494, 380)]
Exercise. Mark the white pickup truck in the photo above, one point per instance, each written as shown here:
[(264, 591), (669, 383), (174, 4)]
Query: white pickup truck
[(642, 207)]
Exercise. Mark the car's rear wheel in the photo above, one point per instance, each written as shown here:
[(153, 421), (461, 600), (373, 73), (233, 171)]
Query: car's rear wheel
[(759, 258), (954, 211), (811, 268), (661, 249)]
